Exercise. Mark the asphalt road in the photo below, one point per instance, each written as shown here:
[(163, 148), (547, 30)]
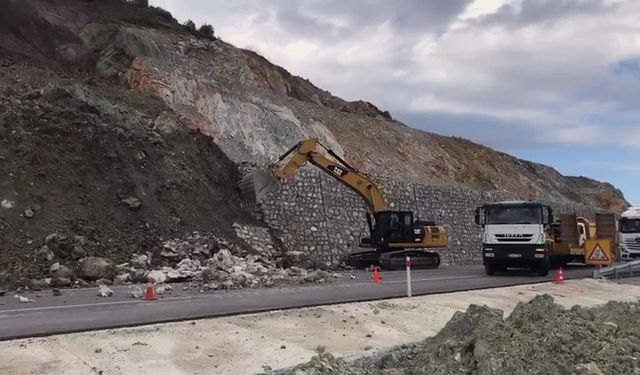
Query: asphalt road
[(81, 310)]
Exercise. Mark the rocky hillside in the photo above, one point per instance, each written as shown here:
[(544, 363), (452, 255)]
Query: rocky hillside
[(120, 129), (255, 110)]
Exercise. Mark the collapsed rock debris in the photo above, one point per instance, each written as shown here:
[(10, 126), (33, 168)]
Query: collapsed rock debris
[(539, 337)]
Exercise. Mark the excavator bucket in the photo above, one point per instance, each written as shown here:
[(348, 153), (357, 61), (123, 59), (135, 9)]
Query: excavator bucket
[(254, 186)]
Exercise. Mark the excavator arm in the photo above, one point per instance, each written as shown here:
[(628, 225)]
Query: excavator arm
[(307, 152)]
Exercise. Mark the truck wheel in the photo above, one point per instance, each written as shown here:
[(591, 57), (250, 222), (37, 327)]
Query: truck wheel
[(542, 269), (490, 268)]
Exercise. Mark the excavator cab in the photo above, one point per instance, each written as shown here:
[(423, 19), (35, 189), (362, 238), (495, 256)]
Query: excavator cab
[(394, 226)]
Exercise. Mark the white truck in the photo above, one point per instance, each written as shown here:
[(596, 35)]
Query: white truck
[(629, 233), (514, 235)]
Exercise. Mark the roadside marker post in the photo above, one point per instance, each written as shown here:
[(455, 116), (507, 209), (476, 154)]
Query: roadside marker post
[(407, 263)]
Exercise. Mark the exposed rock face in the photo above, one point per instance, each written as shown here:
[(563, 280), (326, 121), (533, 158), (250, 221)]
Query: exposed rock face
[(280, 81)]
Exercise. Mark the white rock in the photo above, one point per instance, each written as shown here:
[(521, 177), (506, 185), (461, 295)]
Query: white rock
[(122, 267), (104, 291), (136, 292), (201, 250), (223, 257), (296, 271), (458, 357), (174, 275), (23, 299), (261, 270), (121, 279), (169, 253), (140, 260), (189, 265), (7, 203), (227, 284), (46, 253), (157, 276), (163, 288), (54, 267)]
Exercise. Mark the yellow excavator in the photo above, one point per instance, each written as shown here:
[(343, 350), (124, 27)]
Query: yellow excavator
[(394, 235)]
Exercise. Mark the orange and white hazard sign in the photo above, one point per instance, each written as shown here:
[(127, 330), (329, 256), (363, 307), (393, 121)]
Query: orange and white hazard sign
[(599, 252)]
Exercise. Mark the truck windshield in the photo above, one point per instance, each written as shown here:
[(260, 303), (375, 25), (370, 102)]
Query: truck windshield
[(513, 215), (630, 226)]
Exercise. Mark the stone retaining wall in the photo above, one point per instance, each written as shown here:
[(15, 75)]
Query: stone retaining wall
[(319, 216)]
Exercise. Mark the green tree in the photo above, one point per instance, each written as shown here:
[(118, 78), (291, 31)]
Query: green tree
[(190, 26), (206, 31)]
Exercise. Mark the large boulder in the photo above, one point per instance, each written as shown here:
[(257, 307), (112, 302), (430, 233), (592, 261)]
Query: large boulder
[(95, 268)]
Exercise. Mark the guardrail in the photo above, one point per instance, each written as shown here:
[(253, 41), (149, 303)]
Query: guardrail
[(618, 271)]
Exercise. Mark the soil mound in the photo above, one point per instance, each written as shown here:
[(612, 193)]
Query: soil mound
[(539, 337)]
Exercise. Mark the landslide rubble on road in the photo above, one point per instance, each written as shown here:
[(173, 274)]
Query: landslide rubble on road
[(539, 337)]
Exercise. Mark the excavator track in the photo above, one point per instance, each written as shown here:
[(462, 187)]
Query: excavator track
[(394, 260)]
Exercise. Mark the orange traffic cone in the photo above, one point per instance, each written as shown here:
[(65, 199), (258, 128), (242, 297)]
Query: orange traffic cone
[(559, 276), (150, 293), (376, 275)]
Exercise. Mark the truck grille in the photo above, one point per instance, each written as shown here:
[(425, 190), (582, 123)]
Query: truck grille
[(631, 244), (514, 238)]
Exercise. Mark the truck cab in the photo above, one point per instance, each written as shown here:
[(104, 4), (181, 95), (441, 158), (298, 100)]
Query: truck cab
[(629, 233), (514, 235)]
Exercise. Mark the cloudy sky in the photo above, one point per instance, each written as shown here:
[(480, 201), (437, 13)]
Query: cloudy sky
[(554, 81)]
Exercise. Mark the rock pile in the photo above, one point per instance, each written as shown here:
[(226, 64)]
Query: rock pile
[(208, 262), (539, 337), (211, 262)]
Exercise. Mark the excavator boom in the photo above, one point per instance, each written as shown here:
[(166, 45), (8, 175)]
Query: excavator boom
[(260, 183)]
